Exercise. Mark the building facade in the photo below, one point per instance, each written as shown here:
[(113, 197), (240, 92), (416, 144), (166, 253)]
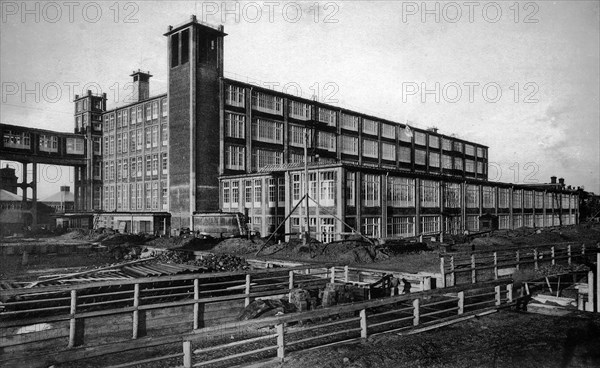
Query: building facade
[(217, 144)]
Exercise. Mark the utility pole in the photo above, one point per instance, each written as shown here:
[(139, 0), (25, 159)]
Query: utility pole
[(307, 228)]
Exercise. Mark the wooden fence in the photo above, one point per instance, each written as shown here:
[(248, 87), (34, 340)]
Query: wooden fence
[(281, 336), (461, 268)]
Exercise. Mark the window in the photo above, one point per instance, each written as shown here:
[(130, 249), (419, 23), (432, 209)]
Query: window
[(326, 141), (388, 131), (281, 191), (452, 195), (155, 195), (148, 165), (235, 96), (248, 193), (296, 187), (297, 136), (446, 162), (155, 164), (119, 119), (434, 159), (119, 170), (164, 163), (458, 146), (503, 198), (430, 196), (349, 122), (446, 144), (370, 226), (327, 188), (132, 140), (272, 192), (371, 190), (148, 195), (517, 221), (267, 103), (479, 152), (503, 222), (133, 167), (140, 116), (350, 145), (119, 197), (164, 108), (125, 142), (469, 150), (469, 166), (472, 223), (125, 168), (388, 151), (351, 189), (125, 120), (539, 200), (528, 200), (139, 140), (326, 233), (405, 134), (299, 110), (119, 143), (235, 157), (420, 138), (112, 170), (112, 145), (472, 196), (420, 157), (327, 116), (401, 192), (479, 167), (235, 193), (165, 195), (401, 226), (75, 146), (226, 197), (430, 224), (458, 163), (434, 141), (235, 125), (517, 198), (405, 154), (489, 197), (370, 127), (257, 193), (155, 136), (154, 109), (140, 198), (267, 131), (262, 158), (133, 115), (148, 138), (370, 148), (165, 134), (49, 143), (148, 112)]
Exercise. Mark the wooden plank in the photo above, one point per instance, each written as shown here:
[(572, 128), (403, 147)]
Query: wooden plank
[(236, 343), (234, 356)]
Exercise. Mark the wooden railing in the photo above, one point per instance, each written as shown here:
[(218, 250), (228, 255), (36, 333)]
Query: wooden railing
[(404, 313), (461, 268)]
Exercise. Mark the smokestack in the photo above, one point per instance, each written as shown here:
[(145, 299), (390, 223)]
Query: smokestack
[(65, 188), (561, 181), (553, 180), (141, 85)]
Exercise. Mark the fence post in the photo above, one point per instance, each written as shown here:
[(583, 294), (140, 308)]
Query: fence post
[(461, 302), (498, 295), (509, 292), (495, 265), (363, 323), (583, 249), (280, 342), (569, 253), (196, 305), (453, 274), (416, 312), (535, 256), (518, 254), (332, 274), (427, 283), (73, 321), (187, 354), (136, 312), (552, 255), (247, 291), (591, 292), (290, 285), (473, 271), (443, 271)]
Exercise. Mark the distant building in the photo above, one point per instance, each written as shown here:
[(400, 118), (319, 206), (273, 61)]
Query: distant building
[(63, 201), (8, 179)]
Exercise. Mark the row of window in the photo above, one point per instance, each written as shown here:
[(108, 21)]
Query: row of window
[(136, 114), (152, 195), (135, 167), (135, 140), (82, 105), (253, 193)]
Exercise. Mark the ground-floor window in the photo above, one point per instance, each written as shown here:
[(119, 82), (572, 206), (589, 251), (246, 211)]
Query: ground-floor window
[(453, 225), (504, 222), (371, 226), (401, 226), (473, 223), (430, 224), (326, 229)]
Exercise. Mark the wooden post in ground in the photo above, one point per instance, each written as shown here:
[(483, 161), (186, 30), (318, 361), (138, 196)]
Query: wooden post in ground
[(247, 290), (136, 312), (553, 255), (290, 285), (346, 273), (187, 354), (591, 292), (461, 302), (509, 292), (518, 256), (535, 259), (583, 249), (473, 271), (332, 274), (495, 266), (452, 272), (196, 305), (73, 320), (443, 271), (416, 313), (498, 295), (363, 324), (280, 342), (569, 254)]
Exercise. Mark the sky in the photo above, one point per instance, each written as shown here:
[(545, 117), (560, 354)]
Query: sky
[(521, 79)]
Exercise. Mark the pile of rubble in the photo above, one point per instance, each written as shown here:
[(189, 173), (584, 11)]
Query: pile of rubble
[(212, 262)]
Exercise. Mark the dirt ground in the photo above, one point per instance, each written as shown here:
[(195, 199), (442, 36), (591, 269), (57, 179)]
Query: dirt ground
[(504, 339)]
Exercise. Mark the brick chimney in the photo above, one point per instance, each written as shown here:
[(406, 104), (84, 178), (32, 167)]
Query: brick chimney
[(141, 85), (561, 181), (553, 179)]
